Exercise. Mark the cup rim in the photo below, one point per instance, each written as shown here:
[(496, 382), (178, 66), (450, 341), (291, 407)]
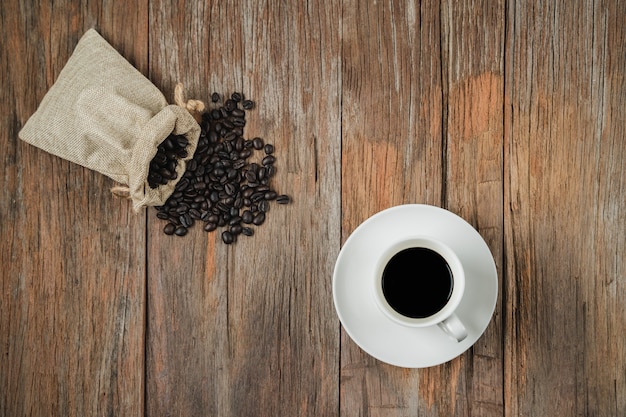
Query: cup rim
[(458, 276)]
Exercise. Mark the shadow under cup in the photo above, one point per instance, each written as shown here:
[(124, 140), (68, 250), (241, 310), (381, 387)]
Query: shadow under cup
[(420, 282)]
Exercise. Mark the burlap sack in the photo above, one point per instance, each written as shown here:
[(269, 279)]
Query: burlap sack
[(105, 115)]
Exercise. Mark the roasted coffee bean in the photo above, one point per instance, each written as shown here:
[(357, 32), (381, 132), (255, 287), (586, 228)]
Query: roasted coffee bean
[(268, 160), (235, 229), (195, 214), (258, 196), (230, 189), (169, 144), (182, 141), (209, 227), (162, 215), (234, 220), (250, 176), (238, 113), (247, 192), (269, 149), (180, 231), (247, 231), (264, 206), (230, 105), (283, 199), (259, 218), (186, 220), (247, 217), (257, 143), (247, 104), (169, 229), (228, 238), (215, 97), (214, 197), (270, 195), (232, 174)]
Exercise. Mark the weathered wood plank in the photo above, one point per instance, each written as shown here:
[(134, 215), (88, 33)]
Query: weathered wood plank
[(473, 62), (391, 154), (250, 329), (423, 90), (72, 256), (565, 205)]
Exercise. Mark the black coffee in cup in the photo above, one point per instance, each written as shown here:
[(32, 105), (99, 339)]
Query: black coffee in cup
[(417, 282)]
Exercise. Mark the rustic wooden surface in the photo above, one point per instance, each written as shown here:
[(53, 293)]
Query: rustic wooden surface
[(511, 114)]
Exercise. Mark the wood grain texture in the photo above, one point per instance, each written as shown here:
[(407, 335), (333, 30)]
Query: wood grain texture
[(250, 329), (473, 67), (391, 154), (423, 87), (73, 262), (564, 234), (509, 113)]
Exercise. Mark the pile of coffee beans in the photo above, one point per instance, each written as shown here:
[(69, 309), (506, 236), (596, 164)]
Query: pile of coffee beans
[(163, 165), (224, 186)]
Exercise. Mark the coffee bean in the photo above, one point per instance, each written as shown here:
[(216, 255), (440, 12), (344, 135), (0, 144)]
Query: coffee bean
[(180, 231), (250, 176), (235, 229), (215, 97), (238, 113), (169, 229), (195, 214), (209, 227), (259, 218), (247, 217), (230, 189), (236, 97), (268, 160), (248, 231), (182, 141), (186, 220), (230, 105), (269, 149), (248, 104), (228, 238), (283, 199), (257, 143)]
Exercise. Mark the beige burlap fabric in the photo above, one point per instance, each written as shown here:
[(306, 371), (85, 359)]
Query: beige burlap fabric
[(105, 115)]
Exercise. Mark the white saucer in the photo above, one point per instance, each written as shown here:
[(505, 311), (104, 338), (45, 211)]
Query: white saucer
[(370, 328)]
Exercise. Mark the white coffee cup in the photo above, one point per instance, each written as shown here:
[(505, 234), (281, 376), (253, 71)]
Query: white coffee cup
[(419, 282)]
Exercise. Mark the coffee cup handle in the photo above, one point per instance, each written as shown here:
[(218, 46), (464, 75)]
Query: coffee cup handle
[(453, 327)]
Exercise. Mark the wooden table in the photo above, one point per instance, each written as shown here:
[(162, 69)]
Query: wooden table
[(508, 113)]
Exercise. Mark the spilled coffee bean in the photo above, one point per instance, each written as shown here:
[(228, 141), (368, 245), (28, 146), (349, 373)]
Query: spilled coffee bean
[(221, 186)]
